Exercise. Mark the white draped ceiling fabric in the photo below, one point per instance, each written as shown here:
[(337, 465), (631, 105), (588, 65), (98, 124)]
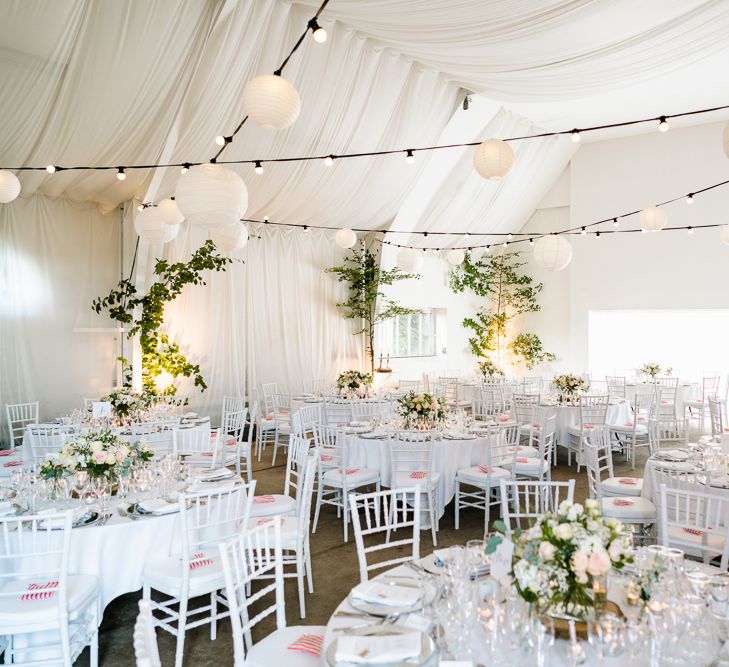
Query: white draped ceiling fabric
[(143, 81)]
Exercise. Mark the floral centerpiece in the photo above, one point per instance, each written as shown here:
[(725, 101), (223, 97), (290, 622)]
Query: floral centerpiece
[(125, 401), (651, 369), (560, 559), (490, 370), (99, 453), (421, 409), (354, 383), (569, 385)]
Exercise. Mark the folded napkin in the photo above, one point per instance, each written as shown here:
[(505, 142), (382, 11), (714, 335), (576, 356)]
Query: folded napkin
[(212, 487), (504, 418), (259, 500), (59, 522), (7, 509), (378, 649), (216, 473), (158, 506), (627, 480), (387, 595), (12, 464), (522, 459), (483, 468), (7, 452), (624, 502), (308, 643), (693, 531), (190, 415), (39, 591)]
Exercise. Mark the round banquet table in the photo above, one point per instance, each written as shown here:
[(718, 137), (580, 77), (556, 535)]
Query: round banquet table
[(448, 457), (618, 414), (685, 391), (415, 620)]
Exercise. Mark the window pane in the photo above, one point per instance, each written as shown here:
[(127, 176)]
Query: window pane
[(413, 335)]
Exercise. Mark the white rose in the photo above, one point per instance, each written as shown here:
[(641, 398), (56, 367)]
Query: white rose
[(563, 531), (579, 561), (615, 550), (591, 504), (546, 551), (97, 446), (110, 458)]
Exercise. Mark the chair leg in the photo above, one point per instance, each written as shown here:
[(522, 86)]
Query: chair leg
[(345, 509), (300, 573), (458, 503), (94, 647), (181, 623), (318, 505), (309, 572), (213, 615), (432, 510), (275, 448)]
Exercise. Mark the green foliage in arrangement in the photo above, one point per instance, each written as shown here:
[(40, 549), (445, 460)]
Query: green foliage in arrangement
[(362, 272), (508, 294), (159, 353)]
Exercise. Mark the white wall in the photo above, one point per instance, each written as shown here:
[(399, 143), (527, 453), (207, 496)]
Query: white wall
[(665, 270)]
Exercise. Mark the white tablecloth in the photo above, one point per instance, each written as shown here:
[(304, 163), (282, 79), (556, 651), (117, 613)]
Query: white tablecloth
[(618, 414), (685, 391)]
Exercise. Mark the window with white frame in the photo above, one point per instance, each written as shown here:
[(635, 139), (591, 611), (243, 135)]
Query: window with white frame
[(411, 335)]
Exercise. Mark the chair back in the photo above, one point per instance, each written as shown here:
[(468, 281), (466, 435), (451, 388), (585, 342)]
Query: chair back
[(331, 442), (412, 459), (710, 387), (599, 441), (20, 416), (532, 384), (281, 406), (45, 440), (404, 386), (269, 389), (545, 436), (197, 441), (231, 404), (524, 407), (489, 402), (146, 651), (367, 410), (523, 502), (615, 385), (593, 411), (669, 389), (689, 517), (716, 415), (296, 459), (450, 387), (253, 555), (384, 514), (337, 412), (151, 427), (306, 417)]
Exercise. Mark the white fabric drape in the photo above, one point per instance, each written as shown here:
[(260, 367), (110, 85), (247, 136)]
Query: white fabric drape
[(55, 257), (271, 317)]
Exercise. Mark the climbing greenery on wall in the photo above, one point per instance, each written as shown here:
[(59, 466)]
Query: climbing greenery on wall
[(508, 294), (159, 353), (364, 276)]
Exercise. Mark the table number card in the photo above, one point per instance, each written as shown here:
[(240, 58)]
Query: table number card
[(100, 409), (501, 561)]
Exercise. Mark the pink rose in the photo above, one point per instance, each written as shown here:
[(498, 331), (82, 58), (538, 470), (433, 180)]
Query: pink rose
[(99, 457), (579, 561), (598, 563)]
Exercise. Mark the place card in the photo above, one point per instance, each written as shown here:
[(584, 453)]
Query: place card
[(501, 561), (100, 409)]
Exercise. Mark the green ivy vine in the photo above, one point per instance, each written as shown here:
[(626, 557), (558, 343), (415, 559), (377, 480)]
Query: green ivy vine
[(508, 294), (159, 353)]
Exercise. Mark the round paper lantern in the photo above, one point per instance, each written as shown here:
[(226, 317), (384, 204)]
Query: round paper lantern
[(653, 219), (493, 159), (271, 102), (553, 252), (151, 227), (211, 195), (726, 139), (346, 238), (724, 234), (456, 256), (229, 238), (409, 260), (170, 213), (9, 186)]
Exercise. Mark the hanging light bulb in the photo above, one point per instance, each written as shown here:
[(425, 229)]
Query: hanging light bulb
[(258, 167), (505, 244), (185, 168), (597, 235), (120, 174), (690, 198), (140, 207), (409, 156), (306, 229), (583, 231), (328, 160), (51, 169), (575, 136), (616, 222), (690, 230), (487, 248), (220, 140), (663, 124), (531, 241), (318, 33), (509, 236)]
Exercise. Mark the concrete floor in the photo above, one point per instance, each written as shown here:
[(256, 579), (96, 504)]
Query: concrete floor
[(335, 568)]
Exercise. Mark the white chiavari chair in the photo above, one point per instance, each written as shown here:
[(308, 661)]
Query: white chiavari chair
[(483, 479), (411, 466), (403, 386), (695, 522), (146, 651), (19, 416), (532, 384), (523, 502), (206, 520), (697, 408), (45, 439), (717, 417), (38, 595), (231, 404), (628, 509), (282, 416), (669, 392), (615, 385), (256, 555), (536, 462), (489, 402), (611, 485), (642, 429), (337, 412), (593, 413), (198, 446), (269, 389), (450, 385), (232, 445), (382, 514), (295, 532), (367, 410), (304, 420), (337, 478)]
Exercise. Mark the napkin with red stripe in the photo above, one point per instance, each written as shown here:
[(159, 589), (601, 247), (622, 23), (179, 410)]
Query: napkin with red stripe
[(40, 591), (418, 474), (263, 499), (199, 560), (308, 643)]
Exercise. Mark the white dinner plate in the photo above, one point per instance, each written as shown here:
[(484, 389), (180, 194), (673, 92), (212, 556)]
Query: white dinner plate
[(460, 436), (674, 455), (427, 650), (427, 596)]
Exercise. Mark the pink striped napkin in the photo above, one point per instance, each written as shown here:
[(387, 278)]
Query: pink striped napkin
[(200, 561), (206, 453), (629, 424), (263, 499), (11, 464), (536, 426), (521, 459), (693, 531), (664, 402), (270, 519), (504, 418), (43, 591), (307, 643), (588, 426), (7, 452), (351, 471), (418, 474), (483, 468), (512, 449), (628, 480), (624, 502), (326, 458)]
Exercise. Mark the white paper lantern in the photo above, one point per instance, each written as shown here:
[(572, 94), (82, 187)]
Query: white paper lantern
[(229, 238), (724, 234), (409, 260), (170, 213), (493, 159), (726, 139), (211, 195), (151, 227), (9, 186), (271, 102), (346, 238), (653, 219), (456, 256), (553, 252)]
